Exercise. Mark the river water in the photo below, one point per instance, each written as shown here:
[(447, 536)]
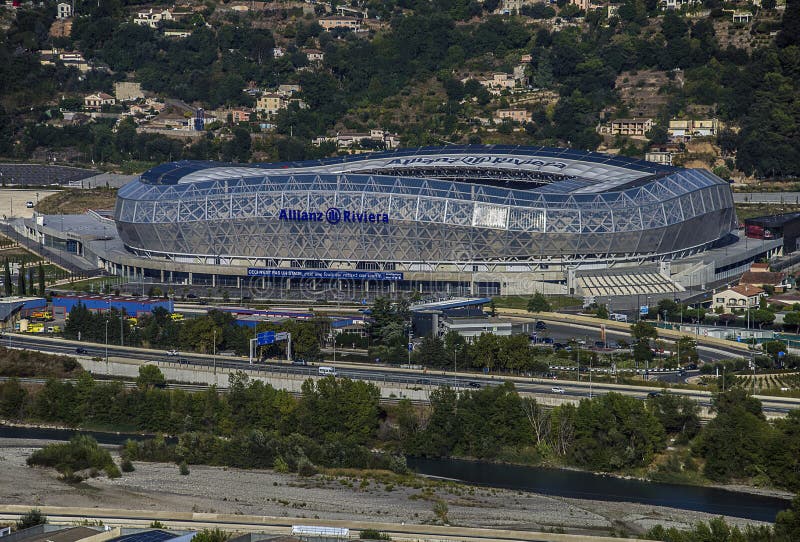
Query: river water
[(556, 482), (585, 485)]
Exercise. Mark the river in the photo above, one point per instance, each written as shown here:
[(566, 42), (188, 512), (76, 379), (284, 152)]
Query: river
[(555, 482), (586, 485)]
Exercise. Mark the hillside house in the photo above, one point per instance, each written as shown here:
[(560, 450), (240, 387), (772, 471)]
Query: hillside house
[(738, 298), (98, 100)]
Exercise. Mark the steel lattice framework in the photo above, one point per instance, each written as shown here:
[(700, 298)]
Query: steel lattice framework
[(221, 212)]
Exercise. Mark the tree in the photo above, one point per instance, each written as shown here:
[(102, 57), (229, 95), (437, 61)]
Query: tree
[(787, 523), (602, 312), (678, 415), (539, 303), (686, 349), (733, 442), (642, 330), (41, 279), (615, 431), (150, 377), (7, 278), (431, 352), (21, 279)]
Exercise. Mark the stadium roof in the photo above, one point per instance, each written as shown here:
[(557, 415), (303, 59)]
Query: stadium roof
[(567, 170)]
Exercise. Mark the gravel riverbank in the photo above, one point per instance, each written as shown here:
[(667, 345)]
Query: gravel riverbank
[(159, 486)]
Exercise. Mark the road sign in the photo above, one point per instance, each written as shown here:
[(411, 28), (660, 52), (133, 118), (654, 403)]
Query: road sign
[(410, 347), (281, 336), (265, 337), (644, 309), (781, 354)]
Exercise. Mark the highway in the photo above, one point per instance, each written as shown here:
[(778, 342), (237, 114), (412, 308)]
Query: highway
[(380, 374)]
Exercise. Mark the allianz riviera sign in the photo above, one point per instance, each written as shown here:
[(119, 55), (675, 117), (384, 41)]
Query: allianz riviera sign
[(333, 215)]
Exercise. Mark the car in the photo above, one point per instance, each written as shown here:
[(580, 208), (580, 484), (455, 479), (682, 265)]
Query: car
[(424, 381), (654, 394), (473, 384), (559, 346), (29, 204), (691, 367), (540, 326), (557, 390), (547, 340), (299, 361), (82, 351), (173, 353), (599, 344), (191, 296)]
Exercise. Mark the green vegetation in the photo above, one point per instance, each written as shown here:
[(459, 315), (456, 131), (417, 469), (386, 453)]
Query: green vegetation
[(31, 518), (417, 75), (212, 535), (81, 453), (24, 363), (372, 534)]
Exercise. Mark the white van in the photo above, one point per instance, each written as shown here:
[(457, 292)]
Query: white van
[(618, 317), (327, 371)]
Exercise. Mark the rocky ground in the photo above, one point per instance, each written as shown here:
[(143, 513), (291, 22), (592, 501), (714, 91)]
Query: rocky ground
[(159, 486)]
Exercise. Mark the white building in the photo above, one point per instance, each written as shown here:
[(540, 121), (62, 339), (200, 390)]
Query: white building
[(738, 298), (471, 328), (63, 11), (152, 18)]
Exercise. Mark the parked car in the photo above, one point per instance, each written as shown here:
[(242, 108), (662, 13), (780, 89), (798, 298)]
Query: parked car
[(599, 344), (299, 361), (29, 204), (473, 384), (557, 390), (654, 394), (81, 351), (540, 326)]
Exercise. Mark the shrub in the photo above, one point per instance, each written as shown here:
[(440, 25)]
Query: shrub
[(127, 465), (112, 471), (373, 534), (306, 467), (281, 465), (183, 468), (31, 519), (80, 453)]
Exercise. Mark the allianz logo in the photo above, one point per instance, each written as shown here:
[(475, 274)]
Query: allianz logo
[(333, 215)]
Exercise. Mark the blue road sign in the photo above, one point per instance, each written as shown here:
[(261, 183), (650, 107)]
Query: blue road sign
[(781, 354), (644, 309), (410, 347), (265, 337)]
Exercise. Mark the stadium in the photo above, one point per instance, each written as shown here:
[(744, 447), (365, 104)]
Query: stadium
[(424, 219)]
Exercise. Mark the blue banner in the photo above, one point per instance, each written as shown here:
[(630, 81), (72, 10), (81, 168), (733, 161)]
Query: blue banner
[(322, 274)]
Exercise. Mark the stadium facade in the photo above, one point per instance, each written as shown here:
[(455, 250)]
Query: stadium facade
[(458, 217)]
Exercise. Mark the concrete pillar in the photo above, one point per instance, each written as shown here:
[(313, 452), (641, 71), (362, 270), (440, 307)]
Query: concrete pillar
[(162, 276), (213, 280), (238, 282), (190, 278), (366, 286)]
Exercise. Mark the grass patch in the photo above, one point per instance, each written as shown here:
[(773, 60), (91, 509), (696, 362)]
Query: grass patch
[(75, 201), (521, 302), (750, 210), (98, 284)]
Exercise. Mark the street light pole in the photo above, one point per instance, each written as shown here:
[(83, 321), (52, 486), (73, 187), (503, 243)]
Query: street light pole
[(106, 344), (215, 351)]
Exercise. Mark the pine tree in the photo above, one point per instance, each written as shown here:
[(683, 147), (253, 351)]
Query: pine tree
[(21, 279), (41, 279), (7, 279)]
